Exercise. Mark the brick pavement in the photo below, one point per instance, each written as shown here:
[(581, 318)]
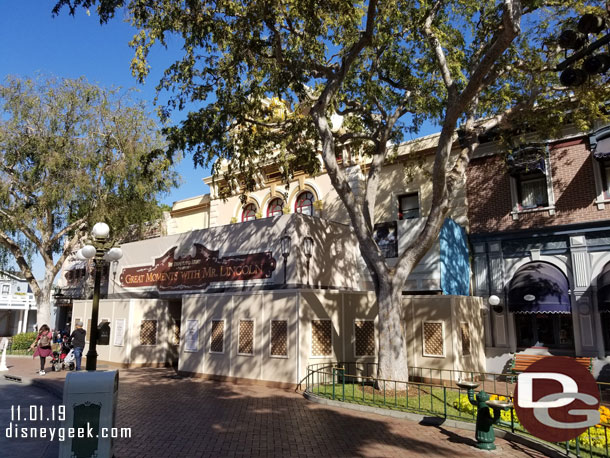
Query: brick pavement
[(171, 416)]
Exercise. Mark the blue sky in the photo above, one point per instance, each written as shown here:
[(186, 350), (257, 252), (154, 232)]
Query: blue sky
[(32, 41)]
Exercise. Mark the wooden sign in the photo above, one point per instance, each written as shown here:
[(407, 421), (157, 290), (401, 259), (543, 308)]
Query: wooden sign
[(169, 273)]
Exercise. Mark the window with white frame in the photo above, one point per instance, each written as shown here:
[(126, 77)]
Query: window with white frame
[(530, 180), (408, 206), (433, 334), (304, 203), (532, 190), (275, 207), (600, 146), (605, 172), (6, 289), (248, 212)]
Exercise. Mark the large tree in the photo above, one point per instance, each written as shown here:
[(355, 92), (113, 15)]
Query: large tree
[(71, 154), (388, 67)]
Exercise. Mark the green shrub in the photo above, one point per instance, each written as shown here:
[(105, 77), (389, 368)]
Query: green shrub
[(23, 341)]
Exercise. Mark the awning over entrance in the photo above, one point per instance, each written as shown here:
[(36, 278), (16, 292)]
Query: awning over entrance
[(602, 149), (539, 287), (603, 290)]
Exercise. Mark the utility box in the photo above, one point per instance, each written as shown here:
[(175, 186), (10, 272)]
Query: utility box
[(90, 399)]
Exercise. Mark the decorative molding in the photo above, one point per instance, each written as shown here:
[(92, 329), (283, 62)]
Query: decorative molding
[(499, 330), (481, 279), (578, 240), (496, 274), (586, 330), (582, 304), (580, 270), (494, 247), (479, 248)]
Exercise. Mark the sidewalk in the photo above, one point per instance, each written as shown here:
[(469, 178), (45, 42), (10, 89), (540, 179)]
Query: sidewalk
[(171, 416), (27, 368)]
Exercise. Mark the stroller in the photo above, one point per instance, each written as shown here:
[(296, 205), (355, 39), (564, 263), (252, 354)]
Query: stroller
[(64, 359)]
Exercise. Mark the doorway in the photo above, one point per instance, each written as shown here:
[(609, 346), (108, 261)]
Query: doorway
[(552, 330)]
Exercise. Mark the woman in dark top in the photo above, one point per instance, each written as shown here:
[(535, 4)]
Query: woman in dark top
[(43, 346)]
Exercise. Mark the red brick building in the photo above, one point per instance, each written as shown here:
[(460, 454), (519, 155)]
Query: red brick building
[(540, 229)]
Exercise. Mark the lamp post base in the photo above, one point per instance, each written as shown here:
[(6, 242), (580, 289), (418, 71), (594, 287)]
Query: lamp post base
[(91, 361), (485, 445)]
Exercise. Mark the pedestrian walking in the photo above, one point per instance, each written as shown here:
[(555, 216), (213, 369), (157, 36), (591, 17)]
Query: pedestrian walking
[(43, 342), (77, 340)]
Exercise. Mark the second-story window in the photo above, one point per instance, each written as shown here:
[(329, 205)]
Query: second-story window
[(604, 166), (408, 206), (5, 289), (275, 207), (248, 213), (599, 143), (532, 190), (530, 180), (304, 203)]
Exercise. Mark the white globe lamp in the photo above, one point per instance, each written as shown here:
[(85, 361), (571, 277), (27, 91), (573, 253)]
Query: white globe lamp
[(114, 254), (493, 300), (88, 251), (100, 231)]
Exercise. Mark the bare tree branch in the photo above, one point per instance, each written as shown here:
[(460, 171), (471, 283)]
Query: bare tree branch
[(17, 253), (28, 232), (511, 27), (436, 45), (76, 225)]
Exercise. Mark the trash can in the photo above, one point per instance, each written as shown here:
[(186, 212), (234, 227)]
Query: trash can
[(90, 399)]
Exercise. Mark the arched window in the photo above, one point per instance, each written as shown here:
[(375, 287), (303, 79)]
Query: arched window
[(304, 203), (275, 207), (248, 213)]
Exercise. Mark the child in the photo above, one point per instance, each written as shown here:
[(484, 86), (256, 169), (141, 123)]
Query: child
[(43, 346)]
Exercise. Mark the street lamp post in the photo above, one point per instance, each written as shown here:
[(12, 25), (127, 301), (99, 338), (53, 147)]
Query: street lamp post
[(285, 245), (101, 250), (307, 248)]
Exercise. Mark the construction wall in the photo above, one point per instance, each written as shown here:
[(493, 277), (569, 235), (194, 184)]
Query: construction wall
[(239, 336), (147, 336), (212, 334)]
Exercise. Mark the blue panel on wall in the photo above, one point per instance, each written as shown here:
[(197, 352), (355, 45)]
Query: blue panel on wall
[(455, 267)]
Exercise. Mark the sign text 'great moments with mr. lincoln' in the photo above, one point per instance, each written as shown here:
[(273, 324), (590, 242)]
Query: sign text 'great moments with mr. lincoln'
[(198, 270)]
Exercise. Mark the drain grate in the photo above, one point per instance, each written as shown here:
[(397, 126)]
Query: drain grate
[(13, 378)]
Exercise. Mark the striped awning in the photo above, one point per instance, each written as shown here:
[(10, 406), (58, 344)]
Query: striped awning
[(539, 287), (602, 149)]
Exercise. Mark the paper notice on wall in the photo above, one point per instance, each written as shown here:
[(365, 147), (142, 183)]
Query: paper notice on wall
[(192, 336), (119, 332)]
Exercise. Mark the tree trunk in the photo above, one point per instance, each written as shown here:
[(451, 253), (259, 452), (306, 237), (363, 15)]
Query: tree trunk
[(393, 363), (43, 303)]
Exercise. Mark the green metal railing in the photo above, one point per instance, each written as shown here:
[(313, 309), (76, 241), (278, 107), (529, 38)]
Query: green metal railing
[(434, 392), (10, 351)]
